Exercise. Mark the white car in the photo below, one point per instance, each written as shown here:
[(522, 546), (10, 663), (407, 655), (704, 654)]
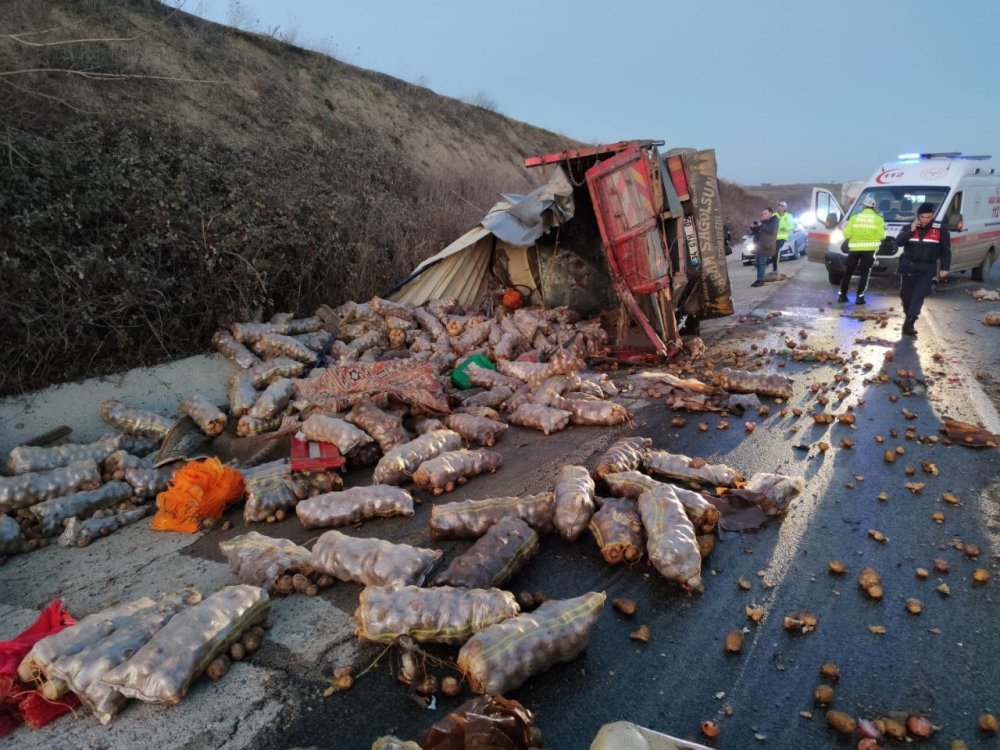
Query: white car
[(794, 247), (797, 241)]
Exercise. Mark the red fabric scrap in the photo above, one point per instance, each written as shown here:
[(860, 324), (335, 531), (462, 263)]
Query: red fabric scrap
[(19, 701)]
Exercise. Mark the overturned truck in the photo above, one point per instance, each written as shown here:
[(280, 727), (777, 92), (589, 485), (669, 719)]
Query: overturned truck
[(618, 228)]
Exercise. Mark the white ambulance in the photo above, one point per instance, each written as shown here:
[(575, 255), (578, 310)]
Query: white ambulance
[(964, 189)]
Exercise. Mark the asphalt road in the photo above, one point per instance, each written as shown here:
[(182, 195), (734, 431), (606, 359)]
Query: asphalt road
[(942, 663)]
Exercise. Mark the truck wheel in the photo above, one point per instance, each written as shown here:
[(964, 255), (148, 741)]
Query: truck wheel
[(980, 272), (835, 278), (691, 327)]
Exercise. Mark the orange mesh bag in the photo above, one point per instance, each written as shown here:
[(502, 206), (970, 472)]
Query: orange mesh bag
[(199, 490)]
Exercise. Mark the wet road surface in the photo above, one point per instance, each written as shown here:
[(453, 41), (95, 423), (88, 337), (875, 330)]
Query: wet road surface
[(942, 663)]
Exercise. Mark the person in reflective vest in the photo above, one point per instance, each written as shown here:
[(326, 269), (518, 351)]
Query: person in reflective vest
[(864, 233), (786, 225), (925, 246)]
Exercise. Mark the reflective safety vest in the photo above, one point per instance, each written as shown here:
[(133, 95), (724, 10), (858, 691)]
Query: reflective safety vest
[(865, 231), (786, 225)]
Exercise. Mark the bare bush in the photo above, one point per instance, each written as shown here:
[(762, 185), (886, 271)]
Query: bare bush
[(139, 215)]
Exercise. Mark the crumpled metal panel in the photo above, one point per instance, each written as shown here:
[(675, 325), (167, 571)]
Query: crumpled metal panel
[(521, 219), (715, 290)]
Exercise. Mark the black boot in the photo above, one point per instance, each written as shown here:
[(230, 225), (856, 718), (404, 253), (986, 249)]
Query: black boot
[(842, 298), (908, 328)]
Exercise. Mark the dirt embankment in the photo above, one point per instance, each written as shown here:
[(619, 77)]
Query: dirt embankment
[(184, 174)]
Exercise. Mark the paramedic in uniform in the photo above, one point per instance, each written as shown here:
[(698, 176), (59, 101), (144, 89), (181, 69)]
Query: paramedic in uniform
[(864, 233), (786, 225), (924, 246)]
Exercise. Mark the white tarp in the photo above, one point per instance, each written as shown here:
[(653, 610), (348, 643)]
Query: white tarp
[(463, 269)]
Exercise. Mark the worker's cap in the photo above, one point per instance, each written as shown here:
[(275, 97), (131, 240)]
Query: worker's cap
[(925, 208), (869, 201), (782, 204)]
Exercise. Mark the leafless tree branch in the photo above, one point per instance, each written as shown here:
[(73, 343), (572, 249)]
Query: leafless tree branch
[(50, 97), (95, 75), (19, 38)]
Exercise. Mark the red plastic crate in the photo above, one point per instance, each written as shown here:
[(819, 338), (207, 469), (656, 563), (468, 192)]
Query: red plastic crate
[(311, 455)]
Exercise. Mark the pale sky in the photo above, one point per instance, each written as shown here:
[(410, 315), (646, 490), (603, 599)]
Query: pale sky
[(784, 91)]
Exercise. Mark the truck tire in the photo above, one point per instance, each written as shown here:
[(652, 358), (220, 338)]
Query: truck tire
[(691, 327), (980, 272), (835, 278)]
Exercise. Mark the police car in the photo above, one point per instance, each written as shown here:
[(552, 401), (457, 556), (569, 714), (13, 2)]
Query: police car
[(794, 247)]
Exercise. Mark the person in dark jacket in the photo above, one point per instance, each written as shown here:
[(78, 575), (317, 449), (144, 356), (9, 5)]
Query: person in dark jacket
[(925, 247), (765, 238)]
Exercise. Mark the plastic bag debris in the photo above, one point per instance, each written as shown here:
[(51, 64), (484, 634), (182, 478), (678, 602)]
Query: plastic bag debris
[(248, 333), (495, 397), (205, 414), (259, 560), (436, 615), (703, 515), (443, 472), (624, 735), (27, 489), (135, 421), (670, 537), (599, 413), (37, 663), (268, 490), (391, 742), (233, 350), (280, 345), (270, 369), (969, 435), (332, 430), (18, 700), (273, 400), (543, 418), (473, 518), (386, 428), (623, 455), (485, 722), (241, 394), (493, 558), (164, 668), (52, 513), (505, 655), (778, 491), (81, 673), (353, 505), (630, 484), (149, 482), (617, 529), (80, 533), (25, 458), (199, 490), (373, 562), (677, 466), (740, 381), (483, 377), (11, 537), (574, 501), (481, 430), (397, 466)]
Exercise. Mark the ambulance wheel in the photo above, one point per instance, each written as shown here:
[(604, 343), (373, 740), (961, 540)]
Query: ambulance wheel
[(980, 272), (835, 278)]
